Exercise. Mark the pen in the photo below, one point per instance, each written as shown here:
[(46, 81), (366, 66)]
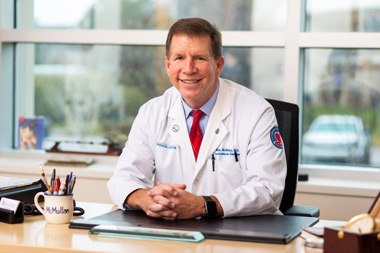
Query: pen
[(213, 162), (58, 182), (56, 186), (67, 184), (72, 183), (236, 156), (52, 179), (45, 179)]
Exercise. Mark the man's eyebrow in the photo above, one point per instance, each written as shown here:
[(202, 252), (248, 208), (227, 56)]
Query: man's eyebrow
[(175, 54), (202, 55)]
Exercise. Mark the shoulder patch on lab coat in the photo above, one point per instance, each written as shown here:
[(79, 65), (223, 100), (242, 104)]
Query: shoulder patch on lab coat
[(276, 137)]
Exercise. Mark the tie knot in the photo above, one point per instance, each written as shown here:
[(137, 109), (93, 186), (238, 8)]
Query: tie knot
[(197, 114)]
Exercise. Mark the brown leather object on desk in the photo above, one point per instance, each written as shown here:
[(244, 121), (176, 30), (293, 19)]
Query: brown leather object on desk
[(350, 242)]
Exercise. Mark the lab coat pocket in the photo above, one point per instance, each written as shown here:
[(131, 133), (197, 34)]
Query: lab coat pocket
[(227, 175), (165, 155)]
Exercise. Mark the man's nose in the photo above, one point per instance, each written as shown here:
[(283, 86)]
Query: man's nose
[(189, 66)]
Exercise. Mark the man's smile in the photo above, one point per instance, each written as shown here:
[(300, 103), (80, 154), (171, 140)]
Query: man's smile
[(192, 81)]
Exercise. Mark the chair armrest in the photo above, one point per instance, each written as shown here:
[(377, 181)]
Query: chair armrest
[(308, 211)]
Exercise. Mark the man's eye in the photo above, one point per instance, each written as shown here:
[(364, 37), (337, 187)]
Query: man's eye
[(200, 58), (178, 58)]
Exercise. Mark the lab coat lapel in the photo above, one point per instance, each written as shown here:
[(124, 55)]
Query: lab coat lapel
[(215, 130), (178, 130)]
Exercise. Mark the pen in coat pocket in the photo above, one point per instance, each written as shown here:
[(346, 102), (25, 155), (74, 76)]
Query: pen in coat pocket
[(213, 162), (236, 156)]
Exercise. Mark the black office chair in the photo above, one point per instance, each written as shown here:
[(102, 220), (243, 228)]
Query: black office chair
[(287, 115)]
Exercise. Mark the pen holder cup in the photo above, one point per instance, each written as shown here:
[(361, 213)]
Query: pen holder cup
[(58, 209), (338, 240)]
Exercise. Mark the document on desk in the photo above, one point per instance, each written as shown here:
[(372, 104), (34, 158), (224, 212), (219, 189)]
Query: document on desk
[(279, 229)]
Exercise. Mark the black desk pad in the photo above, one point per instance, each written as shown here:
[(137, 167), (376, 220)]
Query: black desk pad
[(279, 229)]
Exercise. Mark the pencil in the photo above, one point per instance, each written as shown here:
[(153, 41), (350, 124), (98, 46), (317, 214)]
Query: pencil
[(43, 174)]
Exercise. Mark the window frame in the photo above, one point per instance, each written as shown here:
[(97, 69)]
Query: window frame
[(293, 40)]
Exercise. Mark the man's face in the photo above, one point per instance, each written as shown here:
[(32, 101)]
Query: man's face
[(192, 69)]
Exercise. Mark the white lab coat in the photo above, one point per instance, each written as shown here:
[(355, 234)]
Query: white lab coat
[(159, 145)]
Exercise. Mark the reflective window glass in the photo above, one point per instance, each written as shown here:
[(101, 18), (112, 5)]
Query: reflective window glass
[(87, 92), (260, 69), (343, 16), (91, 93), (341, 123), (260, 15)]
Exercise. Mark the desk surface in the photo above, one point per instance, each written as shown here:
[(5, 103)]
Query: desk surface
[(35, 235)]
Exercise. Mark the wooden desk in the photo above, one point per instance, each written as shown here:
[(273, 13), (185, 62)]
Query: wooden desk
[(35, 235)]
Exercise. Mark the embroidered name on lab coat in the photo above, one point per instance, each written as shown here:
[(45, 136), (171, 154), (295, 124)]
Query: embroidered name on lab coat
[(226, 151), (166, 146)]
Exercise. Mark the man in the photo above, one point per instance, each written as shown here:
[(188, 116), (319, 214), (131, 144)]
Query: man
[(206, 141)]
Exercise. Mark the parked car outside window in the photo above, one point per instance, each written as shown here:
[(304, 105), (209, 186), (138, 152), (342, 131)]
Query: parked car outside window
[(337, 139)]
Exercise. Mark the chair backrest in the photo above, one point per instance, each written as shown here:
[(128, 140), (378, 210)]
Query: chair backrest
[(287, 115)]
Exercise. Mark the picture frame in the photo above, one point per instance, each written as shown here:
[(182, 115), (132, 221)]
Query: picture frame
[(31, 133)]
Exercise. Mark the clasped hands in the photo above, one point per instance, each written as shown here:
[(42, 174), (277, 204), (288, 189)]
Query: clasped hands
[(171, 201)]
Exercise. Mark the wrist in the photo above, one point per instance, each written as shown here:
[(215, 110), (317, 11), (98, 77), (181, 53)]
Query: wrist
[(210, 207), (138, 199)]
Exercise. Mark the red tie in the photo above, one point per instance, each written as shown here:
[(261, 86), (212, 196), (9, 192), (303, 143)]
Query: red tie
[(196, 132)]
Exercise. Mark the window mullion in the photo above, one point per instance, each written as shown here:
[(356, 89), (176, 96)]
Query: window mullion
[(291, 66), (339, 40)]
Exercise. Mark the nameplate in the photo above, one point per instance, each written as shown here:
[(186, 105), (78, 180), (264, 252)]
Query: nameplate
[(9, 204)]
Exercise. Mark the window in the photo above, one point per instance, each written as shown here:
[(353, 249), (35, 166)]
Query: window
[(88, 92), (341, 107), (89, 66), (340, 84), (240, 15), (343, 16), (93, 92)]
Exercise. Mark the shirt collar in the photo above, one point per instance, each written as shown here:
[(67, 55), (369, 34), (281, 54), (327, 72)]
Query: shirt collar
[(206, 107)]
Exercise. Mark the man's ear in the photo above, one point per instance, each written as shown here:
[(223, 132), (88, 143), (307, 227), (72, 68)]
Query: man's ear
[(219, 65), (167, 62)]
